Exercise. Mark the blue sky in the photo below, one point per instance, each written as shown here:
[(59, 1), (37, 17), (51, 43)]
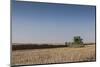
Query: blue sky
[(34, 22)]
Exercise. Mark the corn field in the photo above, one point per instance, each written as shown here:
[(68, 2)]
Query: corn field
[(53, 55)]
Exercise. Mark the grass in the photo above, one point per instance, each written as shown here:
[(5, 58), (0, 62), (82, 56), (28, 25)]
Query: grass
[(53, 55)]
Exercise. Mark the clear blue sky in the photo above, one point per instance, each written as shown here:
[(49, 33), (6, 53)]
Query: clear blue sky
[(51, 23)]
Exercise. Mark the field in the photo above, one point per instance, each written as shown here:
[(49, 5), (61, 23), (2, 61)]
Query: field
[(53, 55)]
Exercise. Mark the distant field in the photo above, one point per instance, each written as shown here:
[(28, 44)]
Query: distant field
[(35, 46), (53, 55)]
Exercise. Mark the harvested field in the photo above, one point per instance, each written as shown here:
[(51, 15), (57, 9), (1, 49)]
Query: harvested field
[(53, 55)]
